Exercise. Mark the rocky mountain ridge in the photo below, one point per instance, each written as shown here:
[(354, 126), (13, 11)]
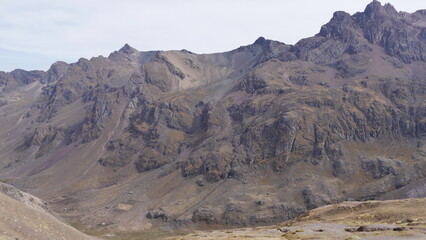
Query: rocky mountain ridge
[(256, 135)]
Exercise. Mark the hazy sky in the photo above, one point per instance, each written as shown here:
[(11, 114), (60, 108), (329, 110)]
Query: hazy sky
[(36, 33)]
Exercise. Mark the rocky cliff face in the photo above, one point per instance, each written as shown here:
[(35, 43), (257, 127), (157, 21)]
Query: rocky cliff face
[(255, 135)]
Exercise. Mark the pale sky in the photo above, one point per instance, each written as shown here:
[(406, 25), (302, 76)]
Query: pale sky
[(36, 33)]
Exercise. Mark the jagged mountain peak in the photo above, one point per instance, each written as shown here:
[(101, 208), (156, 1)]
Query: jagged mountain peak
[(400, 34), (260, 41), (125, 53), (56, 71), (374, 14), (375, 8), (128, 49), (264, 42)]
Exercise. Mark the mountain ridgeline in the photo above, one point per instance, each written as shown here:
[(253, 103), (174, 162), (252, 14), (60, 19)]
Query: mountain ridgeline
[(256, 135)]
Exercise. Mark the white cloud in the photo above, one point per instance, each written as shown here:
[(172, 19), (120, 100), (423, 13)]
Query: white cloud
[(67, 30)]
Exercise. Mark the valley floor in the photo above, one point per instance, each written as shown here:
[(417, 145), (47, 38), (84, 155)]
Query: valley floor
[(24, 216)]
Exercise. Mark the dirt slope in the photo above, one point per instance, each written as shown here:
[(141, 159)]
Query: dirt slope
[(20, 221)]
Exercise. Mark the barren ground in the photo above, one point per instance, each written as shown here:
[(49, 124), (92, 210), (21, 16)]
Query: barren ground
[(333, 221)]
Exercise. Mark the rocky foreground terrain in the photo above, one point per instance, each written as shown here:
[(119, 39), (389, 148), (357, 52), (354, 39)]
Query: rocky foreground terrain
[(386, 220), (254, 136)]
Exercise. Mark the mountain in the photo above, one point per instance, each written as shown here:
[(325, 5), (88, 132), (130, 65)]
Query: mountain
[(256, 135)]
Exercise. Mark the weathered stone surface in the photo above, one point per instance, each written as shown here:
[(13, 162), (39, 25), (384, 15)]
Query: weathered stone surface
[(206, 215)]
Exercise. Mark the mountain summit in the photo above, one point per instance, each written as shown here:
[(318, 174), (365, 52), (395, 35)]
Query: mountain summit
[(400, 34), (256, 135)]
